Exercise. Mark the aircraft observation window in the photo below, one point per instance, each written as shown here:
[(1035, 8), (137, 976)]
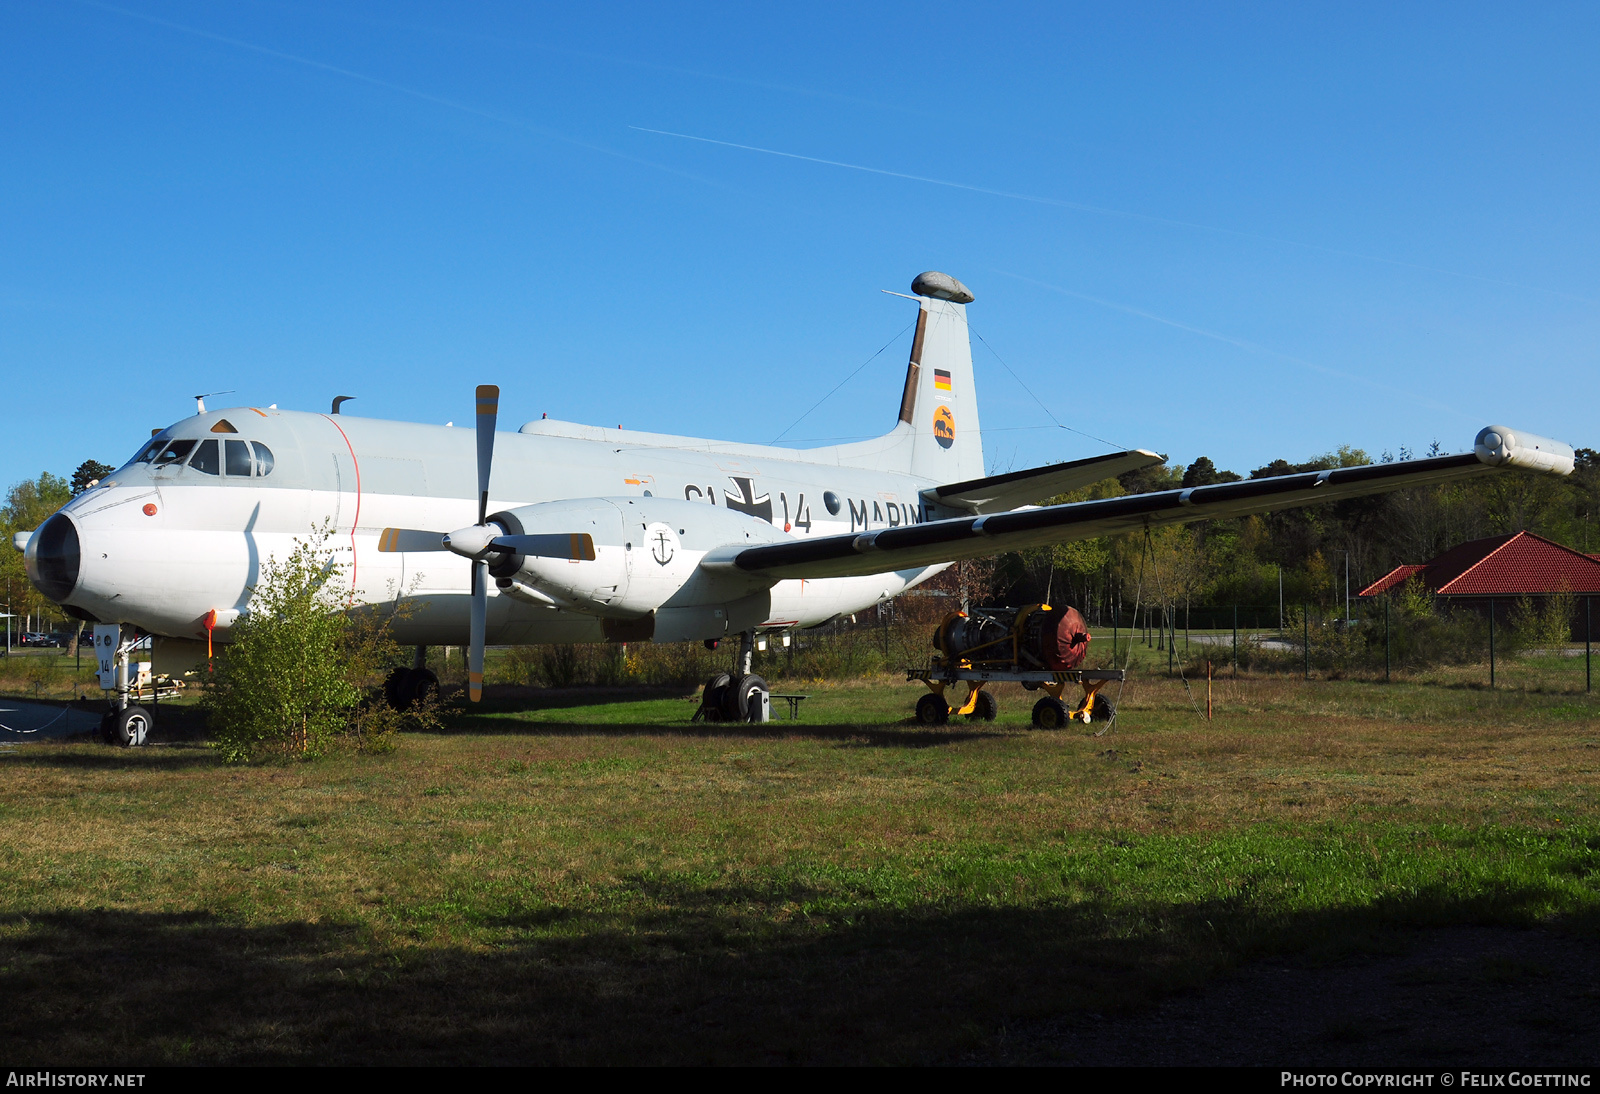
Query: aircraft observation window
[(175, 452), (263, 460), (238, 453), (206, 459)]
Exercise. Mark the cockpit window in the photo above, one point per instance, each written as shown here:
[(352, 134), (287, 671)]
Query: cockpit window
[(174, 453), (211, 456), (206, 460), (238, 458)]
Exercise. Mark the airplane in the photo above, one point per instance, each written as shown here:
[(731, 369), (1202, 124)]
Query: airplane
[(573, 533)]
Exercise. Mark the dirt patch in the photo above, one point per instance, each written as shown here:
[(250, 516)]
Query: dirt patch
[(1449, 998)]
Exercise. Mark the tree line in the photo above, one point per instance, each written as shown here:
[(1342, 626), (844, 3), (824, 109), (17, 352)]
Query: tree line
[(1218, 562)]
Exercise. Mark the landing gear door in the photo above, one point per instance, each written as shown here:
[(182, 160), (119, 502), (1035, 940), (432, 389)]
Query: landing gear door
[(106, 638)]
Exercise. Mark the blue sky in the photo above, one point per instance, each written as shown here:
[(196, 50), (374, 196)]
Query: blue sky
[(1238, 231)]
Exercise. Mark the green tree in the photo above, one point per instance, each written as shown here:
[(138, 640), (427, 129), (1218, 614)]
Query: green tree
[(28, 504), (297, 678), (88, 473)]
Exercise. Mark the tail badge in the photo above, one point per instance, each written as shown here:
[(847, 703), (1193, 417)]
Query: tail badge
[(944, 427)]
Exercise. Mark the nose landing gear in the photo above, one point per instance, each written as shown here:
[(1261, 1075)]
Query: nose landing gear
[(126, 723)]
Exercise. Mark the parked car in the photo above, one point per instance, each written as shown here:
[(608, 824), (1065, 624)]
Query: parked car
[(40, 638)]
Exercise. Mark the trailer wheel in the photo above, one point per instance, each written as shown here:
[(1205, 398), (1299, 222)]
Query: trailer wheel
[(1049, 713), (133, 726), (1102, 709), (987, 708), (932, 710)]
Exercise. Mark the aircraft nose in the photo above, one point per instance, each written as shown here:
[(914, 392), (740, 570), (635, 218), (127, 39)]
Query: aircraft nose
[(54, 558)]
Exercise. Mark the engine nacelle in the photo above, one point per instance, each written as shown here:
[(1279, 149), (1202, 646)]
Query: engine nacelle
[(1502, 447), (647, 562)]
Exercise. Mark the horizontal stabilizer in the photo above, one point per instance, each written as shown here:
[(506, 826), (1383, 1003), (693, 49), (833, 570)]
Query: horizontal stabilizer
[(998, 493), (942, 541)]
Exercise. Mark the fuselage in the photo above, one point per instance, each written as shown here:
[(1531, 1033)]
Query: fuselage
[(174, 536)]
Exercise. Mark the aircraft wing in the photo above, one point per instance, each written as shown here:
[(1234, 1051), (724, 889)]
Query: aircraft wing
[(998, 493), (940, 541)]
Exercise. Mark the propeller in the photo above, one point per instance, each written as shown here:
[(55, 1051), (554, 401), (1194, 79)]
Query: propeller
[(488, 413), (478, 541)]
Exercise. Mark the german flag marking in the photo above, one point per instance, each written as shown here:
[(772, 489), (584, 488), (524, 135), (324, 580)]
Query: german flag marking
[(941, 379)]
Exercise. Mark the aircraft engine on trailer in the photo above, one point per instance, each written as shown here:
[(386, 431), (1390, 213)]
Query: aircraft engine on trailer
[(1036, 636)]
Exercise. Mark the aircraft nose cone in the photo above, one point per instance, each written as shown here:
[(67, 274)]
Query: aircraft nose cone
[(54, 558)]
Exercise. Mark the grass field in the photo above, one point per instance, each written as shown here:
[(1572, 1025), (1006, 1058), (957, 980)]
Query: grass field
[(588, 877)]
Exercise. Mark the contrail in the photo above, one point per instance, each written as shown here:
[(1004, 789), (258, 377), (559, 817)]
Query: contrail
[(399, 89), (1104, 211), (1241, 343), (611, 59)]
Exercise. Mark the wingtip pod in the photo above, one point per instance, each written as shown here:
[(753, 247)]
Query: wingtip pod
[(1501, 446)]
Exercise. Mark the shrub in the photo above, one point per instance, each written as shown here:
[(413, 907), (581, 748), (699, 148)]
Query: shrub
[(296, 678)]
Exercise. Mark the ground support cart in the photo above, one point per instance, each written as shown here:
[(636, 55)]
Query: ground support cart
[(980, 704)]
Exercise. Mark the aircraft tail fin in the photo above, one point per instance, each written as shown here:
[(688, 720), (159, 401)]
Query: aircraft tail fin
[(937, 436)]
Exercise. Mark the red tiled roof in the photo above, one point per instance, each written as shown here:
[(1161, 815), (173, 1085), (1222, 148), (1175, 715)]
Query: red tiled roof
[(1391, 580), (1513, 565)]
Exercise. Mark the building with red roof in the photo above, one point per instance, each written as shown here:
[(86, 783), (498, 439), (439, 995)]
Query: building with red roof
[(1521, 564)]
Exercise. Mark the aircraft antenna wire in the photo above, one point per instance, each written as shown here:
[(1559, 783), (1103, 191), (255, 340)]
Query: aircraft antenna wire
[(843, 382), (1059, 423)]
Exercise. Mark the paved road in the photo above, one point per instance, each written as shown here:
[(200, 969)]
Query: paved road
[(22, 722)]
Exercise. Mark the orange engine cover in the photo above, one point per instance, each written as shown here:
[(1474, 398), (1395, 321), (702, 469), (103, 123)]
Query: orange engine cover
[(1058, 637)]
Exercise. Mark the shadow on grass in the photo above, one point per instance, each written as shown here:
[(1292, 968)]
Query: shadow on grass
[(905, 735), (706, 975), (183, 756)]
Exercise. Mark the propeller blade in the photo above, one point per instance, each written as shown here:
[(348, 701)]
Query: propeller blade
[(480, 611), (410, 539), (488, 412), (576, 546)]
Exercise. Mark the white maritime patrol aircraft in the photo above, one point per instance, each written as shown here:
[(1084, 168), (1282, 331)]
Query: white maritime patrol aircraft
[(572, 533)]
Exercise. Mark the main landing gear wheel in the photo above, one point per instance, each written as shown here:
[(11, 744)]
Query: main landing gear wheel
[(1049, 713), (741, 701), (405, 688), (424, 686), (711, 697), (132, 726), (932, 710), (987, 708)]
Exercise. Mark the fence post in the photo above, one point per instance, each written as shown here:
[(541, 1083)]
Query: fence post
[(1385, 638), (1588, 632), (1172, 637), (1236, 640), (1491, 643), (1305, 619)]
